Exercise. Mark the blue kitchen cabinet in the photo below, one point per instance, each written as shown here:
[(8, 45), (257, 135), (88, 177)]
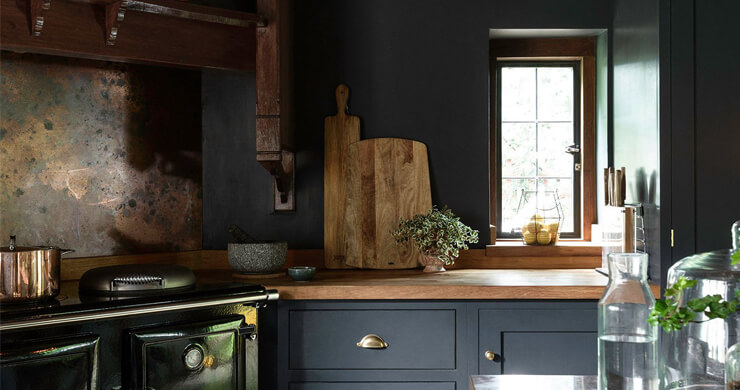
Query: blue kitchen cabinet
[(548, 338), (430, 344)]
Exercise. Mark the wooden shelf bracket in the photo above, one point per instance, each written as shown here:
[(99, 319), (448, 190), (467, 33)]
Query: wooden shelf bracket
[(36, 15), (281, 166), (114, 13)]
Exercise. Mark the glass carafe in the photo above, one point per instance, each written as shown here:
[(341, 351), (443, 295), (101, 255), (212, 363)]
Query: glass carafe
[(627, 343), (694, 357)]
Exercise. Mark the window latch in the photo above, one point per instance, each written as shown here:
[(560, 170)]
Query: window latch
[(573, 149)]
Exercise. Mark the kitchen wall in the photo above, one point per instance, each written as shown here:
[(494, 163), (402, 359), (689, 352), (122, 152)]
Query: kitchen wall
[(636, 128), (705, 117), (416, 69), (103, 158), (717, 122)]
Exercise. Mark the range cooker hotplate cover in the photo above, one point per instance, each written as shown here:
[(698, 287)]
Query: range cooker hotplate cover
[(136, 279)]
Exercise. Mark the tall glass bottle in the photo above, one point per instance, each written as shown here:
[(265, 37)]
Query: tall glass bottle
[(627, 343)]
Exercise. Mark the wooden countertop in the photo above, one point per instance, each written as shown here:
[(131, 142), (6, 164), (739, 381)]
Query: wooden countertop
[(453, 284)]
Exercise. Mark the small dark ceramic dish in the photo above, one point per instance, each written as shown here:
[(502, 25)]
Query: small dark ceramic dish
[(302, 274)]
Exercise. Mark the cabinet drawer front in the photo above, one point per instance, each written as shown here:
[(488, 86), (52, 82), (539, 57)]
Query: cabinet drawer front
[(327, 339), (374, 386)]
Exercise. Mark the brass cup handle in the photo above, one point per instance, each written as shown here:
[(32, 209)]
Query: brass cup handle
[(372, 341), (490, 355)]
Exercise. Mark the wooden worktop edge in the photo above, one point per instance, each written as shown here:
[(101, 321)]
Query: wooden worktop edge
[(73, 268)]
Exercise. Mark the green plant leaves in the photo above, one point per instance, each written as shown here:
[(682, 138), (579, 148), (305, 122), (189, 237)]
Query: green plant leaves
[(670, 316), (436, 232)]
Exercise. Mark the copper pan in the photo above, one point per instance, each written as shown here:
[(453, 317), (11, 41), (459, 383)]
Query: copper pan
[(29, 274)]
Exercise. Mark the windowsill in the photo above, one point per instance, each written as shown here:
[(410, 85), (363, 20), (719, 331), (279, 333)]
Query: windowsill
[(564, 248)]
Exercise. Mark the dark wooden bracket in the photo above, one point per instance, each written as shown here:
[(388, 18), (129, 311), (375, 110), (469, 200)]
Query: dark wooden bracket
[(114, 13), (36, 14), (282, 168)]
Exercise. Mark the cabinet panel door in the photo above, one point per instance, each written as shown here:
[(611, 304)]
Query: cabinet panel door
[(538, 341), (373, 386), (51, 364)]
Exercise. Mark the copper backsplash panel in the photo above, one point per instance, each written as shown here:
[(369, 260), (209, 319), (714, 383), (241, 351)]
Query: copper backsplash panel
[(99, 157)]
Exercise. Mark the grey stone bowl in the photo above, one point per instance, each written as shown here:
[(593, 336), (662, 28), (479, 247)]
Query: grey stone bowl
[(258, 258)]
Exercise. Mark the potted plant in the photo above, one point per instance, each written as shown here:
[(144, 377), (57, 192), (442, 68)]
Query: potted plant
[(438, 235)]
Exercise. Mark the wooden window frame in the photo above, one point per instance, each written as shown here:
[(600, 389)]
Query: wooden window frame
[(573, 49)]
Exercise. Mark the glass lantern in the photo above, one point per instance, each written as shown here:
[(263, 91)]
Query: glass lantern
[(732, 368), (540, 215), (694, 357)]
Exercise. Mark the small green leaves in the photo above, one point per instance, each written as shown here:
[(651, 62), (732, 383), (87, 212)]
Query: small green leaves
[(670, 316), (735, 256), (438, 231)]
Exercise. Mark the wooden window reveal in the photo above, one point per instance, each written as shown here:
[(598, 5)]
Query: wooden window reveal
[(580, 51)]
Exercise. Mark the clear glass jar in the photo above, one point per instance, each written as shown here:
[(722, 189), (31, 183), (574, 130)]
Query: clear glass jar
[(694, 357), (732, 368), (627, 343)]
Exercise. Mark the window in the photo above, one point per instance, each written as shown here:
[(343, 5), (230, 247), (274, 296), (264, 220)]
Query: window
[(538, 123), (542, 133)]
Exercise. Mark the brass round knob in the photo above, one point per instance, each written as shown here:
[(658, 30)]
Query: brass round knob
[(490, 355)]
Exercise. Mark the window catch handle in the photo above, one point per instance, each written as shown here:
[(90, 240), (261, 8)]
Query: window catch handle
[(573, 149)]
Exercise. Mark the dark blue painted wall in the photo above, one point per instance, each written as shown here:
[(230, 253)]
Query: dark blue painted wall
[(636, 132), (416, 69)]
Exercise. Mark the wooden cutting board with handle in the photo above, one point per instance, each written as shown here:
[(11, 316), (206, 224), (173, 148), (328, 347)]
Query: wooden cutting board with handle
[(387, 178), (339, 132)]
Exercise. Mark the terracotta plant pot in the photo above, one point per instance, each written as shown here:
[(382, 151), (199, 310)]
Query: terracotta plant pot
[(432, 263)]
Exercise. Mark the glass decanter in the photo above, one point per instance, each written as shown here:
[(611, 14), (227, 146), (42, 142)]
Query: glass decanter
[(694, 357), (627, 343)]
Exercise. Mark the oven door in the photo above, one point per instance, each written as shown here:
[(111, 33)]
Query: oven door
[(217, 354), (69, 363)]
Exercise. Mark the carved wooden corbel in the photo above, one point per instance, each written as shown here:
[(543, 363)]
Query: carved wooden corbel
[(36, 15), (114, 13)]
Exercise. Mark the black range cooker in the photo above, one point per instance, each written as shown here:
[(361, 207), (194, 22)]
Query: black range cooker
[(137, 330)]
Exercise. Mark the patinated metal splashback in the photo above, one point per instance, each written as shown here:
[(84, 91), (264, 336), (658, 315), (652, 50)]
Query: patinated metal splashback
[(100, 157)]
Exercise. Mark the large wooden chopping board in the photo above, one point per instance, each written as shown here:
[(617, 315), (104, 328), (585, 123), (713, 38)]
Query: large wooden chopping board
[(387, 178), (339, 132)]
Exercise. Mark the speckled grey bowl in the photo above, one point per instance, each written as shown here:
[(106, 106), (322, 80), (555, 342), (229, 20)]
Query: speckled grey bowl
[(258, 258)]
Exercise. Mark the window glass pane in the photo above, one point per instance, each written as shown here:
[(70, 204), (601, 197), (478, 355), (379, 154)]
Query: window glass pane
[(518, 149), (554, 94), (518, 94), (552, 139), (511, 193), (564, 189)]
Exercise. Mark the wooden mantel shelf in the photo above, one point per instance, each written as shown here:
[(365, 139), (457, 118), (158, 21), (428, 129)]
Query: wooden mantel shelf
[(157, 32)]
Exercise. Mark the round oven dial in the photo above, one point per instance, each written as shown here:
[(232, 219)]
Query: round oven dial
[(193, 357)]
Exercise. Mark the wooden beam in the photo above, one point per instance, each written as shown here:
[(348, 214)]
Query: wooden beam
[(274, 76), (74, 29)]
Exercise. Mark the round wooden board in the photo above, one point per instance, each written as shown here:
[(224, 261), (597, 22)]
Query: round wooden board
[(258, 276)]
